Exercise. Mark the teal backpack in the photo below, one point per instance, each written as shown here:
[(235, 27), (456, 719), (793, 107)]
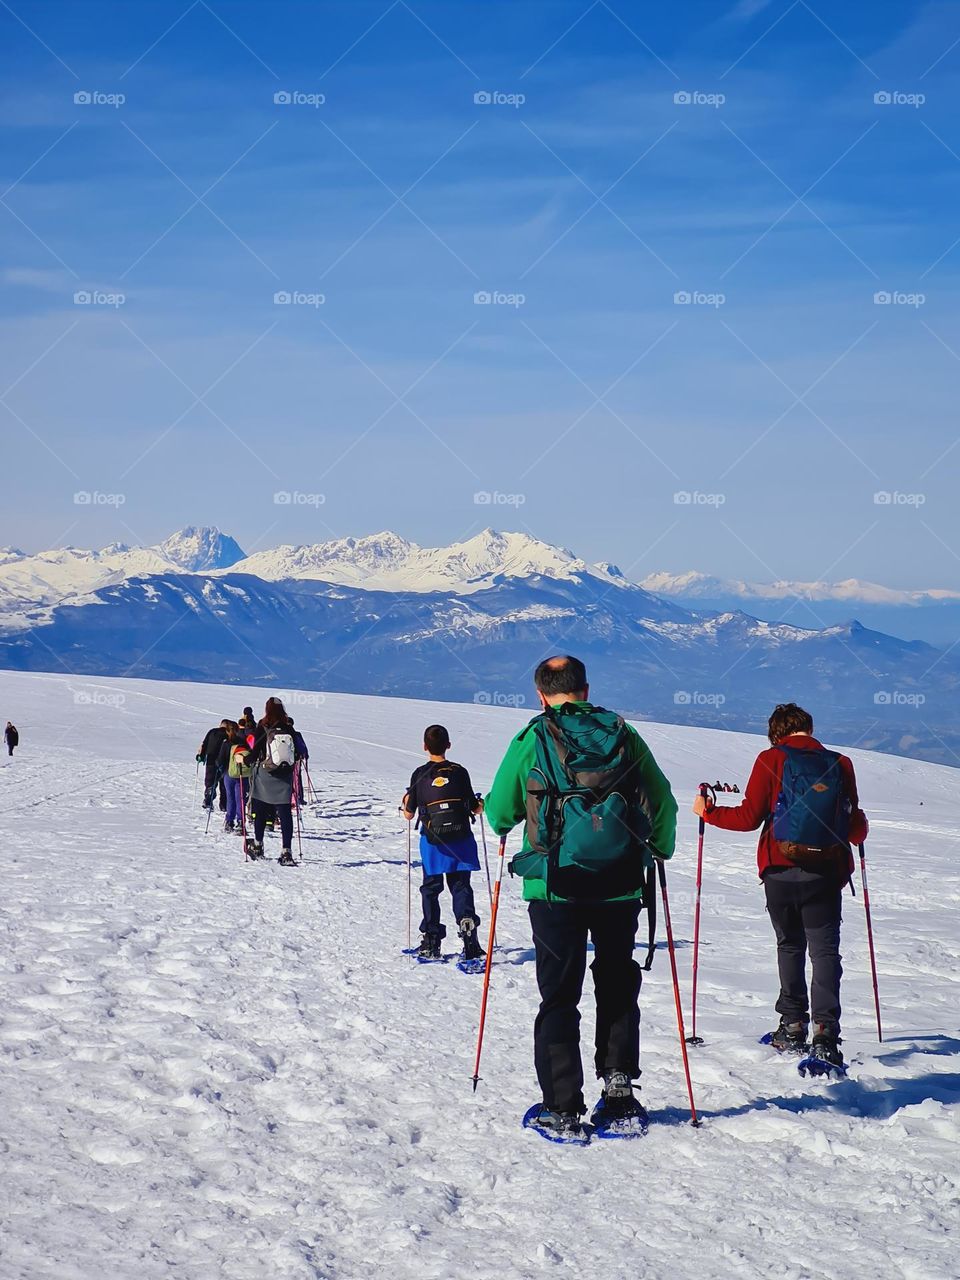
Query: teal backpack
[(586, 823)]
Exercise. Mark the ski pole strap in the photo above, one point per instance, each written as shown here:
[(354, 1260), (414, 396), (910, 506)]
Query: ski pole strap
[(650, 898)]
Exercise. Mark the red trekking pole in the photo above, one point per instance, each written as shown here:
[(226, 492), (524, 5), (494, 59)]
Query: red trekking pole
[(873, 957), (693, 1038), (486, 971), (676, 990)]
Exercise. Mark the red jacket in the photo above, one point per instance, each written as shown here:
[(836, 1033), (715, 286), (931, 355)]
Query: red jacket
[(760, 800)]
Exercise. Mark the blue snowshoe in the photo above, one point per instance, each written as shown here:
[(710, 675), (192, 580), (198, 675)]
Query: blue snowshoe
[(473, 958), (428, 951), (556, 1126), (825, 1057), (618, 1114), (789, 1037)]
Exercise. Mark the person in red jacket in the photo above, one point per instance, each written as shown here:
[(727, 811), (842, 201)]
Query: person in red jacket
[(803, 882)]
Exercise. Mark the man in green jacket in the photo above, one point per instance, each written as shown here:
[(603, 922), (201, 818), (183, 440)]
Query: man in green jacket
[(595, 803)]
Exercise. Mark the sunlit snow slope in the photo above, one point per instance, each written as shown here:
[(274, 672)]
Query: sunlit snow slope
[(221, 1071)]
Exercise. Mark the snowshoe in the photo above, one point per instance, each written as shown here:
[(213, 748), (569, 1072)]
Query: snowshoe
[(253, 849), (789, 1037), (473, 957), (556, 1126), (618, 1114), (429, 949), (229, 828), (287, 859), (825, 1057)]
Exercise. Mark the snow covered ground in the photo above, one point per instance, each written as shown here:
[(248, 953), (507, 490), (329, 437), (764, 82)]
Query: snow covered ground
[(216, 1070)]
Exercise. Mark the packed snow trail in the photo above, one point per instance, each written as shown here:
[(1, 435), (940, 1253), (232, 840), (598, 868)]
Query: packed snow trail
[(213, 1069)]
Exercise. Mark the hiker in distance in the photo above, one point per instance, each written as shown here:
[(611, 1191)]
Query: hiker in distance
[(595, 804), (441, 797), (805, 799), (272, 760), (209, 753), (11, 737)]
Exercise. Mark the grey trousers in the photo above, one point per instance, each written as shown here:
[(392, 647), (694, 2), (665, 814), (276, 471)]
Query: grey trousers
[(805, 911)]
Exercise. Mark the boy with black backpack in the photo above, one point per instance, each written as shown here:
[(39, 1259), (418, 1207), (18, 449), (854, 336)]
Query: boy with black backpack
[(597, 808), (805, 799), (441, 797)]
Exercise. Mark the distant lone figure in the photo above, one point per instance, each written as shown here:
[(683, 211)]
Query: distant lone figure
[(12, 737)]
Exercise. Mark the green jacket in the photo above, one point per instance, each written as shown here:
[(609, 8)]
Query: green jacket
[(506, 804)]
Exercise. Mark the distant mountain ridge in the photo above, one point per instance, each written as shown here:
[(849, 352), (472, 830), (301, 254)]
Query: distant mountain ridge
[(932, 614), (382, 615), (694, 585)]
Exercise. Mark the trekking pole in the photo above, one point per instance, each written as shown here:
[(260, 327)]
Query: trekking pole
[(676, 990), (873, 957), (486, 860), (299, 840), (486, 971), (409, 884), (206, 829), (705, 791), (243, 819)]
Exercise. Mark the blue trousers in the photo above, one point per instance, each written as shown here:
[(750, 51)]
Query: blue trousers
[(458, 882), (233, 799)]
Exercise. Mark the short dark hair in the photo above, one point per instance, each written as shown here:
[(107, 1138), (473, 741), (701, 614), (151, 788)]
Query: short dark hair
[(560, 674), (787, 718), (436, 739)]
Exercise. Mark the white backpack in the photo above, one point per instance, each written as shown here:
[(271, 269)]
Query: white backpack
[(280, 750)]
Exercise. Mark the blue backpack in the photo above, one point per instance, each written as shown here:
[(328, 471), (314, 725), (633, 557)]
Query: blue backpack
[(812, 814)]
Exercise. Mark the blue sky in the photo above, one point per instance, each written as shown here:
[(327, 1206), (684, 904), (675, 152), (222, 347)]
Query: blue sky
[(782, 197)]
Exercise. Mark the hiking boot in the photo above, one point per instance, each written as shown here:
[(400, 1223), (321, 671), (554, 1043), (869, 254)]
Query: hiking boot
[(826, 1046), (472, 949), (565, 1126), (287, 859), (255, 850), (429, 948), (229, 826), (617, 1101), (789, 1037)]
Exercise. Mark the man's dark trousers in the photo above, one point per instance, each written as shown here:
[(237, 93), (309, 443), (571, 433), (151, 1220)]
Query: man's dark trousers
[(805, 909), (458, 882), (213, 781), (560, 932)]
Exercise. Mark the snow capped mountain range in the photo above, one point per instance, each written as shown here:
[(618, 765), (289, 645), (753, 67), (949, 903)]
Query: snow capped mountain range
[(54, 576), (382, 615), (701, 586), (387, 562)]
